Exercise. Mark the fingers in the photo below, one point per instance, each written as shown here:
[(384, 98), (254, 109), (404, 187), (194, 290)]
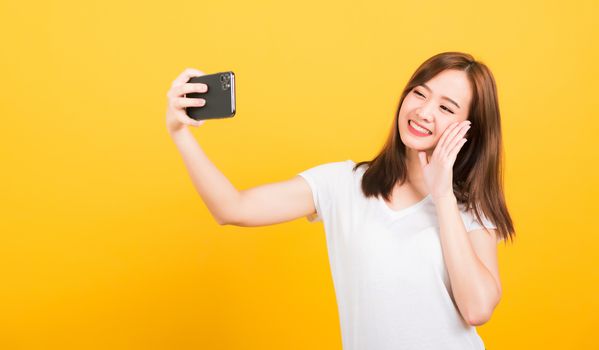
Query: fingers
[(180, 90), (183, 102), (185, 119), (179, 104), (186, 75), (455, 143), (450, 133), (453, 152), (444, 136), (457, 135), (178, 101)]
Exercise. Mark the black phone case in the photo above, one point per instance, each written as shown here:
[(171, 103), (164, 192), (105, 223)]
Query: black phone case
[(220, 97)]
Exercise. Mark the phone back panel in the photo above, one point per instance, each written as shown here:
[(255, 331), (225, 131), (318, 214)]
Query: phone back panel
[(220, 97)]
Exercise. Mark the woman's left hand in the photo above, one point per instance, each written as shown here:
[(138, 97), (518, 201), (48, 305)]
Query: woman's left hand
[(438, 170)]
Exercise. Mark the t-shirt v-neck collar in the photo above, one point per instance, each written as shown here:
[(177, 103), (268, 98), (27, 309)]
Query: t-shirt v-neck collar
[(405, 211)]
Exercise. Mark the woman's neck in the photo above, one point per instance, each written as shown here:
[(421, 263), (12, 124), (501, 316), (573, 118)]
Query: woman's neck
[(415, 176)]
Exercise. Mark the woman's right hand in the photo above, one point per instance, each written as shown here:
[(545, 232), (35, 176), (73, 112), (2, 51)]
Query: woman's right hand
[(176, 118)]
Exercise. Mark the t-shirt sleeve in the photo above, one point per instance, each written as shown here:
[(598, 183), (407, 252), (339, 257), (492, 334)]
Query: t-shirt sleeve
[(472, 223), (325, 181)]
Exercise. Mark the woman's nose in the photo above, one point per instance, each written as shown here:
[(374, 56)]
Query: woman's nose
[(424, 114)]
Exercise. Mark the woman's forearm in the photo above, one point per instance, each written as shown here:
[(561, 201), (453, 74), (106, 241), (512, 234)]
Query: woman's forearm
[(217, 192), (474, 288)]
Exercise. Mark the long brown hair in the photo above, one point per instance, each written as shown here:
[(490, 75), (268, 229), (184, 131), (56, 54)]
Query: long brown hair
[(478, 168)]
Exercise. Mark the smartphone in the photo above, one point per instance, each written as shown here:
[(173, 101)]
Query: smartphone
[(220, 97)]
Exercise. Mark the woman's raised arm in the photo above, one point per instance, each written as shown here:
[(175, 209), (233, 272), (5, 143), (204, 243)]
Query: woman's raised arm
[(258, 206)]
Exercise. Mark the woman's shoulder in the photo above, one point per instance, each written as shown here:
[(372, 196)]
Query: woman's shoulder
[(470, 219), (335, 170)]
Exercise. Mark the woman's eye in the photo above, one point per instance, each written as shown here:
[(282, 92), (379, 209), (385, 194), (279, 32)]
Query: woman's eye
[(449, 110)]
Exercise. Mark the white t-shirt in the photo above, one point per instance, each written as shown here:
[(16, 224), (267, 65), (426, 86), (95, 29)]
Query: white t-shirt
[(391, 282)]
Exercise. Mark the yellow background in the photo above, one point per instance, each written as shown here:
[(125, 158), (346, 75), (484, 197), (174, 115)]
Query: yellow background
[(106, 245)]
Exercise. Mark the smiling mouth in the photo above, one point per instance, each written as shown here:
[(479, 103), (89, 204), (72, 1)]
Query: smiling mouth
[(419, 128)]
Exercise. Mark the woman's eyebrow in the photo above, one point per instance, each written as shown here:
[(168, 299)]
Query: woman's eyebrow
[(445, 97)]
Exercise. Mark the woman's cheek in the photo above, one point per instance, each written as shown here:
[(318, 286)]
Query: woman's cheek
[(436, 142), (439, 135)]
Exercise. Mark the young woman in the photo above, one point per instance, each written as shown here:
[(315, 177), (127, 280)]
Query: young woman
[(411, 234)]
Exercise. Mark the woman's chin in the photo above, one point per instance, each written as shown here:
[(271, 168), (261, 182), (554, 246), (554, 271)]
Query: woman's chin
[(418, 146), (422, 149)]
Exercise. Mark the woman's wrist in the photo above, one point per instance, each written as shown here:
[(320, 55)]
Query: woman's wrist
[(448, 198), (178, 131)]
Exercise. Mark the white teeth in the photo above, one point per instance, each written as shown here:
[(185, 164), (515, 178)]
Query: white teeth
[(423, 130)]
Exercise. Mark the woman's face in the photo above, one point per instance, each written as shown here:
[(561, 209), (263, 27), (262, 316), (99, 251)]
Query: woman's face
[(434, 105)]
